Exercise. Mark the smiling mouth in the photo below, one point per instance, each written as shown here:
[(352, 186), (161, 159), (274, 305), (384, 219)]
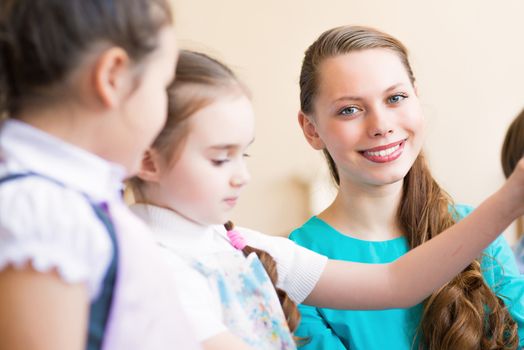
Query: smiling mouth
[(386, 153)]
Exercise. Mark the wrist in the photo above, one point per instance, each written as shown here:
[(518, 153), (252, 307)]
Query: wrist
[(508, 202)]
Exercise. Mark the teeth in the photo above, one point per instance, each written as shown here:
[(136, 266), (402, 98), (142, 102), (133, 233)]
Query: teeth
[(384, 152)]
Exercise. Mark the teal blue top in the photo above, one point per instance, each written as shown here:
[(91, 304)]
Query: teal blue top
[(390, 329)]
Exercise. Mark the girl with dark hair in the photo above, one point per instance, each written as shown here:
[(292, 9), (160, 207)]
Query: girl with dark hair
[(82, 94)]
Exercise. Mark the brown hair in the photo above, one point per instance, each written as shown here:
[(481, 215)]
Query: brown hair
[(42, 41), (465, 313), (199, 80), (512, 151), (513, 146)]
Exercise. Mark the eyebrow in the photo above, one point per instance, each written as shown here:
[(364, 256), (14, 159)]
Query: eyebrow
[(394, 87), (229, 146), (356, 98)]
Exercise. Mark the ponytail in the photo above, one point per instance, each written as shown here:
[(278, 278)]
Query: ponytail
[(465, 313)]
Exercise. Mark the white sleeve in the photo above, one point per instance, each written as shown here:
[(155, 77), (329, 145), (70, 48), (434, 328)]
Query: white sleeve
[(200, 301), (52, 228), (299, 269)]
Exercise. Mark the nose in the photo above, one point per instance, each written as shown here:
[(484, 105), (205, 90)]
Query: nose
[(380, 123), (241, 175)]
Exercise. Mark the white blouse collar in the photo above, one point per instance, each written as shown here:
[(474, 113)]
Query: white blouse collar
[(175, 231)]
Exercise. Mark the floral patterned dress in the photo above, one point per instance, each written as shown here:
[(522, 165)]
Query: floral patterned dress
[(250, 306)]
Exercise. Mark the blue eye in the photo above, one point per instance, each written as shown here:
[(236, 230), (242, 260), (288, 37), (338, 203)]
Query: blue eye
[(349, 110), (396, 98)]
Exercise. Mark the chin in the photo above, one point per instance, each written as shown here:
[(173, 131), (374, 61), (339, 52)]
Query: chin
[(387, 180), (394, 181), (394, 177)]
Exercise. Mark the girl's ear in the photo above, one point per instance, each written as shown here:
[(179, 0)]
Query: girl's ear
[(111, 76), (310, 131), (150, 166)]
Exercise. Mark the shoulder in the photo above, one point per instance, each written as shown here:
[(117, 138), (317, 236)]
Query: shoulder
[(281, 248), (51, 226), (460, 211), (298, 268), (499, 250), (273, 244), (308, 231), (38, 208)]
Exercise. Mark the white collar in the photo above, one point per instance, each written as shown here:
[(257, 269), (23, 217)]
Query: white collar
[(175, 231), (42, 153)]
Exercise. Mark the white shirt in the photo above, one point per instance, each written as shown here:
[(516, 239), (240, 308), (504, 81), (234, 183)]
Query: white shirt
[(54, 226), (37, 217), (299, 269)]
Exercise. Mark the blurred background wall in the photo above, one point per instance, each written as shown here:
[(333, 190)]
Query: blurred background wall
[(468, 58)]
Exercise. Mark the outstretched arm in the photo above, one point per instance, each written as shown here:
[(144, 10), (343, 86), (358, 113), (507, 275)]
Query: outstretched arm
[(414, 276)]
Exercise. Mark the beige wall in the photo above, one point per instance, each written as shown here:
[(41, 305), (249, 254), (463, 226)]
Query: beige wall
[(468, 58)]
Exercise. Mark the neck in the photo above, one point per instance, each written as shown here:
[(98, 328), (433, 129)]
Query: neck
[(366, 212), (93, 130), (68, 123)]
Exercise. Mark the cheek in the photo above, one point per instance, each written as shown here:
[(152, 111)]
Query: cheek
[(415, 125), (422, 123), (146, 116), (194, 195), (419, 132), (191, 183), (156, 109), (341, 136), (414, 118)]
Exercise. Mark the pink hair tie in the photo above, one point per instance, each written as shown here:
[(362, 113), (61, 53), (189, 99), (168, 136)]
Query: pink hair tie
[(236, 238)]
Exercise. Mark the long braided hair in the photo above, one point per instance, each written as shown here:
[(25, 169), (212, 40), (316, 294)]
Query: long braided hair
[(290, 309)]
